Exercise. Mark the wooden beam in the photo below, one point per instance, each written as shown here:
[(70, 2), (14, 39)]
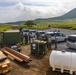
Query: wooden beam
[(15, 57)]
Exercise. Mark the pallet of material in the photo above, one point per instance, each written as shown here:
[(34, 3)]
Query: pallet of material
[(16, 55), (5, 64)]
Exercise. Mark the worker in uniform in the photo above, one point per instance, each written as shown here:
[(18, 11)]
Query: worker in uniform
[(26, 38), (49, 42), (37, 35), (55, 42), (18, 47)]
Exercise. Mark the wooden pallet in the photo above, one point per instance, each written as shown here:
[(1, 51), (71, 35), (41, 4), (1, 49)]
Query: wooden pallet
[(5, 64)]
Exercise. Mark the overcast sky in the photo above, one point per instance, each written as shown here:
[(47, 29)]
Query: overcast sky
[(22, 10)]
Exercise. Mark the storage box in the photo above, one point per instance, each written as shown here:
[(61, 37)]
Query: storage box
[(11, 37), (38, 47)]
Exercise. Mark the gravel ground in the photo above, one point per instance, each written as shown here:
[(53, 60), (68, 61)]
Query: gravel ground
[(38, 66), (65, 31)]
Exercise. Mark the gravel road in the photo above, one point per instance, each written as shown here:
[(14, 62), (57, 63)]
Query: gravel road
[(65, 31)]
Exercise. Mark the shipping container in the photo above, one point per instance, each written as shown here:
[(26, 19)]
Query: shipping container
[(11, 37)]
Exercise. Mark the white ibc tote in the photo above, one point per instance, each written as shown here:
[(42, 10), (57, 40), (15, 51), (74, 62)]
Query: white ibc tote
[(63, 60)]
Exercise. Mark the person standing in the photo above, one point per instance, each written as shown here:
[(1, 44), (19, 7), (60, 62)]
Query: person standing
[(26, 39), (49, 42)]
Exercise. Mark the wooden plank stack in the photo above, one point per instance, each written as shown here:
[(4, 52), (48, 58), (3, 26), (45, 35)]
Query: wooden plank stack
[(5, 64), (16, 55)]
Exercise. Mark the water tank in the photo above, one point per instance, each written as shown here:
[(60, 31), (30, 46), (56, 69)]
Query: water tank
[(63, 61)]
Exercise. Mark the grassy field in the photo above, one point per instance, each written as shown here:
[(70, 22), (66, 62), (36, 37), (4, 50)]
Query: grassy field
[(4, 27), (43, 24), (65, 23)]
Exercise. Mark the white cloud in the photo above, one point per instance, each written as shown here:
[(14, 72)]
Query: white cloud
[(20, 12)]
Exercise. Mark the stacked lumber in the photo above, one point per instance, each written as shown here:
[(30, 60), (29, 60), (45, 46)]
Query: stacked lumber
[(16, 55), (5, 65)]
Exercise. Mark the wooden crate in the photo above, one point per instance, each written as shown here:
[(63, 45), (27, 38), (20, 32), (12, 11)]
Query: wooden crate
[(5, 64)]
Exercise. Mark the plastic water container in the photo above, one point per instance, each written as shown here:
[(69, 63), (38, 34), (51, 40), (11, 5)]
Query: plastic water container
[(63, 61)]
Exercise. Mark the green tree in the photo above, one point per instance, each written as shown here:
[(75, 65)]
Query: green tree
[(29, 23)]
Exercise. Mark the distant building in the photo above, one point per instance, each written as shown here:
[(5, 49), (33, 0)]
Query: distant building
[(14, 27)]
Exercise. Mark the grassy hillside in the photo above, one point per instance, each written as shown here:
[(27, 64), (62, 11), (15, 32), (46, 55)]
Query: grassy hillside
[(43, 24), (55, 21), (65, 23)]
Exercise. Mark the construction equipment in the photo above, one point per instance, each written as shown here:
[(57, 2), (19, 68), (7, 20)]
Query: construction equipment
[(16, 55), (38, 47), (5, 65)]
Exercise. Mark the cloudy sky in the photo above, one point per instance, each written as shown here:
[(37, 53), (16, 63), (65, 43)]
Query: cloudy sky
[(22, 10)]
